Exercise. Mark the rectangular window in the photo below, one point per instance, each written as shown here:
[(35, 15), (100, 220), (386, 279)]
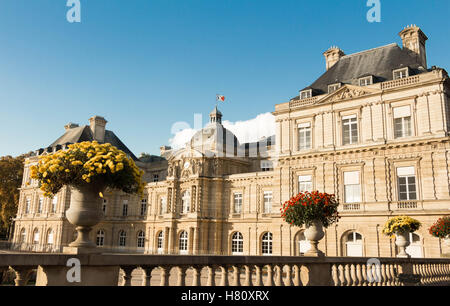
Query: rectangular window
[(237, 203), (365, 81), (304, 136), (27, 205), (266, 165), (305, 183), (401, 73), (104, 204), (163, 208), (305, 94), (267, 202), (54, 204), (155, 178), (352, 187), (406, 184), (332, 88), (143, 207), (125, 208), (40, 204), (402, 121), (349, 130)]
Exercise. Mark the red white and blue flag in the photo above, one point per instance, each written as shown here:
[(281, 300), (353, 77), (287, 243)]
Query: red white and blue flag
[(220, 98)]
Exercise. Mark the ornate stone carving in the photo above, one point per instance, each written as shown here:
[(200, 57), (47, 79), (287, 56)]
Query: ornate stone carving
[(347, 94)]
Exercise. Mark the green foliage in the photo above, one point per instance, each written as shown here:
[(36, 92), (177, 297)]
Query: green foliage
[(11, 173)]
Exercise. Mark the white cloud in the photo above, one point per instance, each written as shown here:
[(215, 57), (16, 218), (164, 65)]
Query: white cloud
[(254, 129), (246, 131)]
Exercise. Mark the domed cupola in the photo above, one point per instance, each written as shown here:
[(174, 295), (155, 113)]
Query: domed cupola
[(215, 116)]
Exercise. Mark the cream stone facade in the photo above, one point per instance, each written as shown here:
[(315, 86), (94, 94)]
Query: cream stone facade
[(373, 130)]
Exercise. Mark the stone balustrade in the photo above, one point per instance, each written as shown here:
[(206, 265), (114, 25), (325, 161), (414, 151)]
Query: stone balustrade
[(173, 270)]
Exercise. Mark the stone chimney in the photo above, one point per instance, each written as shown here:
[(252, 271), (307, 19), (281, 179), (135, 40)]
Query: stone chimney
[(414, 40), (98, 125), (332, 56), (71, 125)]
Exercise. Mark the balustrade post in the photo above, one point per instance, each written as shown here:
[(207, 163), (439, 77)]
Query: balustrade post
[(364, 275), (236, 276), (288, 280), (22, 274), (248, 276), (348, 278), (316, 274), (148, 275), (224, 276), (181, 280), (165, 274), (211, 276), (258, 275), (278, 275), (359, 279), (353, 275), (342, 280), (335, 276), (196, 276), (297, 281), (269, 282)]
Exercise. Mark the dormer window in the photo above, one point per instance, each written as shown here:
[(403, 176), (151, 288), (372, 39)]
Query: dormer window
[(366, 81), (305, 94), (401, 73), (333, 87)]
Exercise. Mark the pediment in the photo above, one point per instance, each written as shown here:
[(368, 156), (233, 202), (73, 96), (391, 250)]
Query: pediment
[(347, 92)]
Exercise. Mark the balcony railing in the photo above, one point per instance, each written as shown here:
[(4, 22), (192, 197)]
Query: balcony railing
[(401, 205), (168, 270)]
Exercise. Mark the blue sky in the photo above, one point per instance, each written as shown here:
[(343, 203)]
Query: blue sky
[(146, 64)]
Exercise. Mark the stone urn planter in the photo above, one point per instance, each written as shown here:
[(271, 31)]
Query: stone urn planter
[(314, 233), (402, 242), (84, 212)]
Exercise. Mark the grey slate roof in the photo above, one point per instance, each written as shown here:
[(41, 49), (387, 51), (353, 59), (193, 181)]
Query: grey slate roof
[(83, 133), (379, 62)]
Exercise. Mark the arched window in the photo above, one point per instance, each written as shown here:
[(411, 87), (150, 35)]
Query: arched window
[(23, 236), (122, 238), (186, 201), (354, 244), (141, 239), (415, 247), (50, 237), (183, 243), (100, 241), (266, 245), (160, 243), (36, 236), (303, 244), (237, 244)]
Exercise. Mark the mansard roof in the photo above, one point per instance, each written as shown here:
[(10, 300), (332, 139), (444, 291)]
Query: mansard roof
[(84, 133), (379, 62)]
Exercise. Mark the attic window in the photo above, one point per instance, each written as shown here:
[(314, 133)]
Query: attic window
[(366, 81), (401, 73), (333, 87), (305, 94)]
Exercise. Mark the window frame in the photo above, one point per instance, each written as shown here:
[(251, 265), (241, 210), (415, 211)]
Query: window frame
[(351, 121), (267, 205), (305, 94), (186, 202), (365, 79), (238, 199), (400, 70), (267, 244), (237, 243), (183, 243), (304, 140), (140, 240), (334, 86)]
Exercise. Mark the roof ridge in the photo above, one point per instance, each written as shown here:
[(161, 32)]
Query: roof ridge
[(369, 50)]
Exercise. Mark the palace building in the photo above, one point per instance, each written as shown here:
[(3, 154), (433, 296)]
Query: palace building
[(373, 129)]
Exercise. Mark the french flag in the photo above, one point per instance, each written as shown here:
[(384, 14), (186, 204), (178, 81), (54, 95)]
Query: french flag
[(220, 98)]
